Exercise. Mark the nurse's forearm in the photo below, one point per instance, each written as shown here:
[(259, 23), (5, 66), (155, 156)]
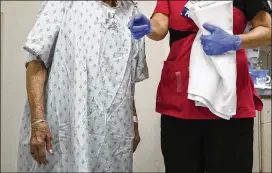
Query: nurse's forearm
[(159, 26), (257, 37), (36, 75)]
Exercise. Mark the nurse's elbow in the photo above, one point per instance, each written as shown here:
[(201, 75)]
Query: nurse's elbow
[(159, 27), (269, 38), (156, 37), (158, 33), (267, 30), (263, 20), (266, 36)]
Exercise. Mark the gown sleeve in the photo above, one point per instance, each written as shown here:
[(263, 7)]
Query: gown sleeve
[(141, 65), (139, 68), (42, 38)]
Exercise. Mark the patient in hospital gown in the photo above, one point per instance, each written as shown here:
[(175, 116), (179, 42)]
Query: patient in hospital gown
[(93, 64)]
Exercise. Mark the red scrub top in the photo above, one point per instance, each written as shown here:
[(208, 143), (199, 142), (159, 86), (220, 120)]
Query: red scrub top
[(172, 90)]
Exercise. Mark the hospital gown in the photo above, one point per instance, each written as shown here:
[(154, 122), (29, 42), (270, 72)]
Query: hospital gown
[(93, 64)]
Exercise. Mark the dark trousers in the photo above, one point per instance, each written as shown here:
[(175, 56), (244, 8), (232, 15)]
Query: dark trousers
[(211, 146)]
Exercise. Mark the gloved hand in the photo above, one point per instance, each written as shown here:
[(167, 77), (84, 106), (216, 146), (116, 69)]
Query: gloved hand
[(139, 26), (219, 41)]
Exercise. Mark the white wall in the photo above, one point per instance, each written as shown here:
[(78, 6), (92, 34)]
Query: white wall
[(19, 17), (18, 20)]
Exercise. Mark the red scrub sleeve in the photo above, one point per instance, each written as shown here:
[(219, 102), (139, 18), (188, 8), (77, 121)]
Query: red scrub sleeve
[(162, 7)]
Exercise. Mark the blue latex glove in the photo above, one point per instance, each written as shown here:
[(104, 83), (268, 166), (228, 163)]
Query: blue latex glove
[(139, 26), (219, 41)]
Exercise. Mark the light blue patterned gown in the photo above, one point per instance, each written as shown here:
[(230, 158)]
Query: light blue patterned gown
[(93, 64)]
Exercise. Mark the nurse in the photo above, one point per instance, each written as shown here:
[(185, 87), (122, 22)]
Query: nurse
[(193, 140)]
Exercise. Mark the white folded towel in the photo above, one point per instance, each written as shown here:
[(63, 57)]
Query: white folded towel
[(212, 80)]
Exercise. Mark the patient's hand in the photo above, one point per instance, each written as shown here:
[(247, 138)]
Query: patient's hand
[(137, 138), (40, 141)]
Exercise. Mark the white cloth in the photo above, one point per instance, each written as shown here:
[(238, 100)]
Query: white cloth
[(212, 80), (93, 64)]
